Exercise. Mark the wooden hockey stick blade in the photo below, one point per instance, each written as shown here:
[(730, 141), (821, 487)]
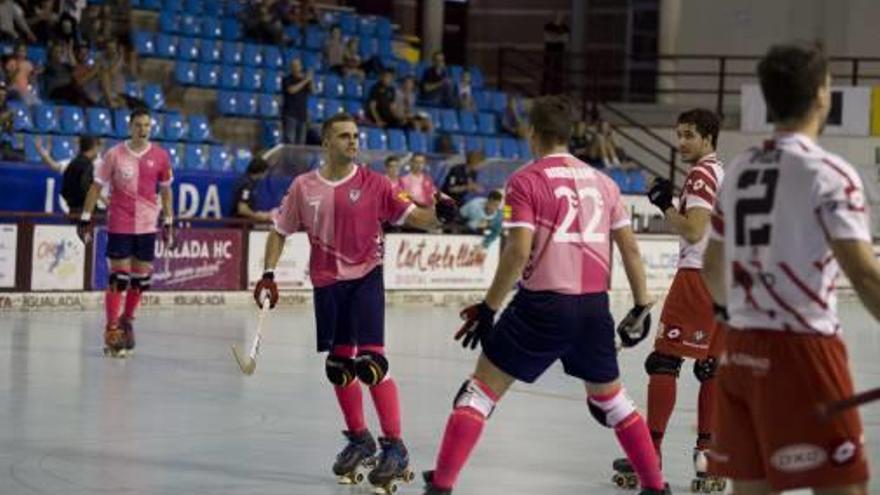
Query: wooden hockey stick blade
[(247, 364), (831, 408)]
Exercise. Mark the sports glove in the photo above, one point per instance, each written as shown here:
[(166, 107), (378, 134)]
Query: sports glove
[(660, 194), (635, 327), (478, 322), (266, 289)]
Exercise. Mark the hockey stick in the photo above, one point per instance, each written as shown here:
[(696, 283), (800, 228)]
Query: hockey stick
[(831, 408), (248, 364)]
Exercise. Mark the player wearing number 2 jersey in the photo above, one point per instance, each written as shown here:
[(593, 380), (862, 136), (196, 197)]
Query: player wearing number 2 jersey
[(788, 217), (563, 216)]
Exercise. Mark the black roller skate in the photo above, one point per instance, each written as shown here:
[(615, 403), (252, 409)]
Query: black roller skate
[(624, 475), (393, 466), (125, 323), (355, 457), (430, 489), (703, 481), (654, 491), (114, 341)]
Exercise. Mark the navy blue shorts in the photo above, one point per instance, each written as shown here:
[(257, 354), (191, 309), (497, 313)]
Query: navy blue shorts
[(351, 312), (142, 247), (537, 328)]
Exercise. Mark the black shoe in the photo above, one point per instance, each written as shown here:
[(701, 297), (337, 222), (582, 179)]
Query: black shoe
[(361, 447), (654, 491)]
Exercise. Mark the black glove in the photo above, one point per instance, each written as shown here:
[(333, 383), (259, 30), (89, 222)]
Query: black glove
[(660, 194), (635, 327), (445, 208), (85, 230), (720, 312), (266, 288), (478, 322)]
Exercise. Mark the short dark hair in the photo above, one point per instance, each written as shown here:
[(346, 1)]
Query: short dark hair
[(551, 120), (392, 158), (87, 142), (495, 196), (339, 117), (791, 76), (706, 122), (137, 112), (257, 165)]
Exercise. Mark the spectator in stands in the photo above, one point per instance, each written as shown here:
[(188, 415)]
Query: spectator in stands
[(7, 152), (512, 122), (605, 147), (21, 74), (555, 41), (244, 196), (380, 108), (462, 179), (86, 75), (392, 170), (351, 60), (69, 18), (417, 184), (405, 102), (285, 10), (297, 87), (78, 173), (261, 23), (334, 50), (483, 216), (437, 87), (44, 20), (112, 77), (58, 82), (581, 141), (12, 21), (465, 91), (307, 13)]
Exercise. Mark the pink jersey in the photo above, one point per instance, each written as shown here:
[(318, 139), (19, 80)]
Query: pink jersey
[(419, 188), (133, 179), (700, 188), (343, 220), (571, 208)]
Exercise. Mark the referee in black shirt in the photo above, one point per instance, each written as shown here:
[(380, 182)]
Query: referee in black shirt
[(78, 174), (244, 196)]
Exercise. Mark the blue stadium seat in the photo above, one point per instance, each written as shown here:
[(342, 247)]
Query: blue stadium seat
[(234, 8), (289, 54), (315, 37), (153, 96), (213, 8), (509, 148), (477, 79), (193, 7), (29, 146), (99, 122), (219, 159), (332, 106), (188, 49), (366, 26), (396, 140), (311, 61), (449, 120), (332, 86), (208, 75), (487, 124), (272, 81), (348, 22), (230, 77), (524, 151), (252, 54), (315, 108), (133, 89), (247, 104), (174, 126), (383, 28), (457, 143), (210, 51), (405, 68), (241, 157), (251, 79), (143, 43), (231, 28), (211, 27), (294, 33), (157, 131), (499, 101), (619, 177), (72, 120), (384, 49), (21, 117), (353, 88), (169, 22), (185, 73), (483, 99), (468, 122), (269, 106), (231, 53), (354, 107), (455, 72), (637, 182), (190, 25), (376, 139), (272, 58), (120, 122), (151, 4), (199, 130), (174, 153), (368, 47), (166, 45), (171, 5), (271, 133), (63, 148), (473, 143), (418, 141), (44, 119), (195, 157), (491, 148)]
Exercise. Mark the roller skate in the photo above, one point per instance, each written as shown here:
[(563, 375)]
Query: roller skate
[(393, 466), (430, 489), (624, 475), (114, 341), (357, 456), (654, 491), (128, 332), (705, 482)]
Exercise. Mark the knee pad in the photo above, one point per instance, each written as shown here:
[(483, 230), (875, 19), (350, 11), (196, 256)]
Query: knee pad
[(663, 364), (371, 367), (475, 395), (340, 370), (612, 411), (119, 281), (704, 369), (142, 282)]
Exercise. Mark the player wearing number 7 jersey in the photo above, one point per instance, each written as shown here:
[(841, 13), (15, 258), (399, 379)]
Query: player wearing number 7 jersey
[(788, 218), (563, 216)]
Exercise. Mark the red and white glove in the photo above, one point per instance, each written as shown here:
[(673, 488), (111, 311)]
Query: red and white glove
[(266, 289)]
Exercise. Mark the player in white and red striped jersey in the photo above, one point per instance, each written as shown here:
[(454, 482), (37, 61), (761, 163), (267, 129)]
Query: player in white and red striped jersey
[(687, 325), (788, 218), (563, 216)]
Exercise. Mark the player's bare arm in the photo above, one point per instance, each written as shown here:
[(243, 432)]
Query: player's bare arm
[(713, 271), (857, 260), (692, 225), (511, 265), (167, 208), (632, 264), (274, 248)]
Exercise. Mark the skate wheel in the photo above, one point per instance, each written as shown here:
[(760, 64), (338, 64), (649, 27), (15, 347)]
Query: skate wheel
[(618, 480), (696, 486), (632, 483), (392, 488), (409, 476), (358, 478)]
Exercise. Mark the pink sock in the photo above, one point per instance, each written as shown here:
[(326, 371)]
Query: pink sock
[(635, 439), (112, 303), (132, 301), (350, 397), (387, 406), (463, 430)]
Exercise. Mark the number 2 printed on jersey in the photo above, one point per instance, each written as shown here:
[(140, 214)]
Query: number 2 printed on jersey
[(587, 201)]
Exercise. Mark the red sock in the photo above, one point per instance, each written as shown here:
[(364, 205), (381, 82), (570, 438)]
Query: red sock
[(132, 301), (350, 397), (112, 303), (661, 402), (387, 406), (704, 413), (633, 436), (463, 430)]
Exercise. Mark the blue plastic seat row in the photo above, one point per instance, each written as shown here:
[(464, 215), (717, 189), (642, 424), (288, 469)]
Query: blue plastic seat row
[(629, 181), (247, 104)]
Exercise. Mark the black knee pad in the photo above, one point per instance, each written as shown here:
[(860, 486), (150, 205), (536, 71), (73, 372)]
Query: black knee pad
[(340, 370), (119, 281), (142, 282), (598, 414), (663, 364), (371, 367), (704, 369)]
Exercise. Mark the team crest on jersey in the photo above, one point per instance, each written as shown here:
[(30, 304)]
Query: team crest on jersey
[(354, 195), (150, 163), (699, 335), (699, 184), (126, 172)]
